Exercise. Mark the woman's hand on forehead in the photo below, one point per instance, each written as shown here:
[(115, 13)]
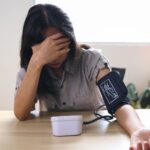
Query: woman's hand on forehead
[(51, 48)]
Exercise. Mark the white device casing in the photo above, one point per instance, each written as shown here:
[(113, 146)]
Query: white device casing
[(67, 125)]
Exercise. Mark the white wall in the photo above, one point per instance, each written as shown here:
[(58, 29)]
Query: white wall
[(135, 58), (12, 14)]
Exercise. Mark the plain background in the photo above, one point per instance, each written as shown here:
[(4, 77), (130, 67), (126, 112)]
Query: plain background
[(135, 57)]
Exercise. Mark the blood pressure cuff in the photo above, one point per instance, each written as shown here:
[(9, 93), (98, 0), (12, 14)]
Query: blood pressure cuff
[(114, 91)]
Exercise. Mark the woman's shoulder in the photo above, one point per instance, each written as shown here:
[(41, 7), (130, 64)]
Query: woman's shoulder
[(92, 61), (91, 53), (94, 57)]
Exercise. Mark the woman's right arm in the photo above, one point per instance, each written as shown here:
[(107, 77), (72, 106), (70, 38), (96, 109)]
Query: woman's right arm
[(26, 93), (46, 52)]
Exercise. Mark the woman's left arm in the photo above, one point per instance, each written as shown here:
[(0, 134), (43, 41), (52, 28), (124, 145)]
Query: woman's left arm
[(130, 121)]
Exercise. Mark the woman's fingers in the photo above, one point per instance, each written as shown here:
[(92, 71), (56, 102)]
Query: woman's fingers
[(139, 146), (146, 146), (63, 45), (63, 51), (59, 43), (56, 36), (131, 148), (61, 40), (58, 40)]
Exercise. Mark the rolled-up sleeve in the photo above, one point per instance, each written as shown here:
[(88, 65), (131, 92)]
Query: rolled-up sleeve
[(20, 76), (93, 61)]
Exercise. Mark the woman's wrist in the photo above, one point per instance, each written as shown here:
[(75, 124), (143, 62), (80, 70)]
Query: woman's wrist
[(36, 63), (137, 129)]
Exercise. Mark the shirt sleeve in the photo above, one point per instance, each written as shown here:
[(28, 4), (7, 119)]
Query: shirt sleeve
[(20, 76), (93, 61)]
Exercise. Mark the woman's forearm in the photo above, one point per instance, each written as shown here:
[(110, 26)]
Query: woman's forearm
[(26, 93), (128, 119)]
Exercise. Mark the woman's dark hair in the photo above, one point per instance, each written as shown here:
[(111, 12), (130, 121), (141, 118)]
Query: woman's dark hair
[(39, 18)]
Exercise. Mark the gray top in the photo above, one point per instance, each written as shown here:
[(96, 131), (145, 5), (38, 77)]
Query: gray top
[(77, 89)]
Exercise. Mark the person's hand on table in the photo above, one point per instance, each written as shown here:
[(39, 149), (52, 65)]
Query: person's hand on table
[(140, 140)]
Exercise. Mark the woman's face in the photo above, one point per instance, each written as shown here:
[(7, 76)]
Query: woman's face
[(58, 62)]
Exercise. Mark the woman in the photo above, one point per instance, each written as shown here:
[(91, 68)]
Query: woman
[(63, 75)]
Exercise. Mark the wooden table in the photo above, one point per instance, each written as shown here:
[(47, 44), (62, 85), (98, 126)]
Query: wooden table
[(36, 134)]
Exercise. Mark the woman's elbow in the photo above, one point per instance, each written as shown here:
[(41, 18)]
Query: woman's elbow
[(19, 114)]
